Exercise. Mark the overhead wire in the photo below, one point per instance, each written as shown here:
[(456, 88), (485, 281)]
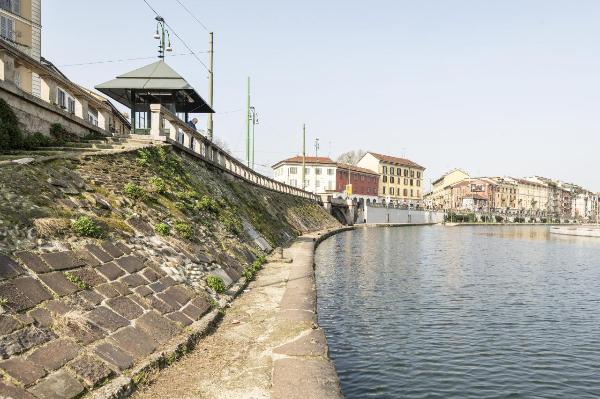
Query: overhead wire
[(120, 60), (193, 16)]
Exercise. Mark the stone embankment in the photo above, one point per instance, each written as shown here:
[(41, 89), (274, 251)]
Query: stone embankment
[(268, 345), (104, 262)]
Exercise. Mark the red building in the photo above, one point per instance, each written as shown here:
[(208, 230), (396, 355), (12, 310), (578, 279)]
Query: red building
[(364, 181)]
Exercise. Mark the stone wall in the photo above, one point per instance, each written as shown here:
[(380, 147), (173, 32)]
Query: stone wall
[(36, 115), (395, 215), (77, 312)]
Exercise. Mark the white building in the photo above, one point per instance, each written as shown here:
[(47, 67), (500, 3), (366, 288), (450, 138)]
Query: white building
[(319, 173)]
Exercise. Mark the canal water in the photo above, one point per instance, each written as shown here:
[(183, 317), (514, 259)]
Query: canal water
[(461, 312)]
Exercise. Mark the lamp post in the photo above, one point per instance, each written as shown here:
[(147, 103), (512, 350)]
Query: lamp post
[(163, 35)]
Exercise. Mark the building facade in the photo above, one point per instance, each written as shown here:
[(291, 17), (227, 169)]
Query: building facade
[(400, 181), (319, 173), (365, 182), (439, 197)]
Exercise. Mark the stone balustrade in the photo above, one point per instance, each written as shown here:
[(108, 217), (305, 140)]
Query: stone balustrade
[(167, 127)]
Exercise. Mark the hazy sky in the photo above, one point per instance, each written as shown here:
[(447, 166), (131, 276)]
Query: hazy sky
[(505, 87)]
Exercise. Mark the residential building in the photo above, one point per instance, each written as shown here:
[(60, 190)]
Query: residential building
[(319, 173), (473, 194), (532, 197), (505, 193), (439, 197), (364, 182), (401, 180)]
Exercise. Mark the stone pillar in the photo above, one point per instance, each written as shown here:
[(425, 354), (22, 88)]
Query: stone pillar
[(351, 212), (155, 122), (7, 70), (104, 119)]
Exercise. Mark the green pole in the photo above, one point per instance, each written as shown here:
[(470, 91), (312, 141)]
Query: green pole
[(253, 123), (248, 126), (303, 154)]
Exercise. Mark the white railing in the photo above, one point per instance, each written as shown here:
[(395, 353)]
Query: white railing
[(166, 126)]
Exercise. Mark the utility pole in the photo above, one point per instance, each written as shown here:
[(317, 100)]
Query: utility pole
[(254, 117), (209, 127), (317, 147), (248, 126), (303, 154)]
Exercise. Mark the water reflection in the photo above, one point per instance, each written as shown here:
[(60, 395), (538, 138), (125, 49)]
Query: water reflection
[(463, 312)]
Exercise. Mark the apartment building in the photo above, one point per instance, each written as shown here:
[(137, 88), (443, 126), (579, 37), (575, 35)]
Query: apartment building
[(532, 197), (400, 181), (439, 197), (319, 173), (364, 182)]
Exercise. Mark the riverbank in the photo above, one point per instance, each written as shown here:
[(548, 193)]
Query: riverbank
[(268, 344)]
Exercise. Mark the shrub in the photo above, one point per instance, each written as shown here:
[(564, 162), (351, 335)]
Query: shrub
[(163, 229), (11, 136), (258, 263), (85, 226), (158, 185), (248, 273), (184, 230), (134, 191), (216, 284), (61, 135), (77, 281), (208, 204), (499, 219), (36, 140), (230, 222)]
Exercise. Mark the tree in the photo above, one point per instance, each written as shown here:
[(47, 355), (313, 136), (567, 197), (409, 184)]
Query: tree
[(351, 157)]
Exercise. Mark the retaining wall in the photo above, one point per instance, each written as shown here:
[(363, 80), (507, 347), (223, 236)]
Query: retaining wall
[(399, 216)]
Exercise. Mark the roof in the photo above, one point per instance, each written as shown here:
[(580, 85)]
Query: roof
[(395, 160), (439, 179), (156, 83), (314, 160), (355, 168)]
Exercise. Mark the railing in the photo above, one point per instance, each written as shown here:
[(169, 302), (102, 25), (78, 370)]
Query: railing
[(166, 126)]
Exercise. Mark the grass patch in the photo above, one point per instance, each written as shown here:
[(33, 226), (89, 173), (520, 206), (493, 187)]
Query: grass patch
[(49, 227), (207, 204), (216, 284), (77, 281), (86, 227), (184, 230), (3, 301), (158, 185), (162, 229), (134, 191)]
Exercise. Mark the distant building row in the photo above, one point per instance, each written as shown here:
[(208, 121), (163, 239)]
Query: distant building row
[(528, 197), (376, 178)]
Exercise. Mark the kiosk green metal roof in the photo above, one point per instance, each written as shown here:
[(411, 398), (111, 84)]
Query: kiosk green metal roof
[(156, 83)]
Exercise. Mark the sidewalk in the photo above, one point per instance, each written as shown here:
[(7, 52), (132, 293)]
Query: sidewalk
[(267, 346)]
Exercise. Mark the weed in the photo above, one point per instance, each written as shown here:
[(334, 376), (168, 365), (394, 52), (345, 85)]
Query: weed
[(248, 273), (3, 301), (61, 135), (184, 230), (158, 185), (216, 284), (163, 229), (207, 204), (77, 281), (134, 191), (86, 227), (230, 222)]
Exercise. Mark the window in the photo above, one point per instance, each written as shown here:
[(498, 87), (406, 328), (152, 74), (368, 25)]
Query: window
[(355, 177), (61, 98), (391, 179), (7, 28), (362, 178), (294, 182), (411, 192), (71, 105), (392, 171), (405, 192), (406, 182), (418, 175), (13, 6), (418, 183), (293, 171), (93, 116), (399, 172), (306, 183), (412, 182), (307, 171), (405, 172), (317, 171), (391, 190), (330, 172), (318, 183), (384, 179), (383, 188), (412, 173)]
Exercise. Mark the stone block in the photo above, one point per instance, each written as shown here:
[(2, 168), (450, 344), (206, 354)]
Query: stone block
[(60, 385), (125, 307), (9, 268), (150, 275), (134, 341), (111, 271), (8, 324), (86, 257), (180, 318), (201, 303), (111, 249), (134, 280), (157, 286), (89, 276), (58, 283), (91, 370), (130, 263), (140, 301), (157, 326), (17, 301), (115, 356), (143, 291), (91, 297), (33, 261), (233, 274), (22, 370), (192, 312), (160, 305), (32, 289), (82, 331), (41, 317), (98, 253), (141, 228), (55, 354), (107, 291), (58, 306), (12, 392), (62, 260), (107, 319), (121, 287), (124, 248)]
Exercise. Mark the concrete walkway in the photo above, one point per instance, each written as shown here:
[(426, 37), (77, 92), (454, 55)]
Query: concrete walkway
[(267, 346)]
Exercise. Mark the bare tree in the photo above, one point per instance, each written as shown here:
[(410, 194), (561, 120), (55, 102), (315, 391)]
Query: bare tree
[(351, 157)]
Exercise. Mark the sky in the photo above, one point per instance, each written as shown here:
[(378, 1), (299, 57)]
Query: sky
[(497, 88)]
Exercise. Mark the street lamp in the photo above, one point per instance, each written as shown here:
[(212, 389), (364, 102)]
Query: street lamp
[(163, 35), (253, 117)]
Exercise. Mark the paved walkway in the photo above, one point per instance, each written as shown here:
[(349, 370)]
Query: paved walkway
[(267, 346)]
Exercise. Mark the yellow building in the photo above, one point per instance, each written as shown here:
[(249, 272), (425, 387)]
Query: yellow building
[(400, 180), (440, 196)]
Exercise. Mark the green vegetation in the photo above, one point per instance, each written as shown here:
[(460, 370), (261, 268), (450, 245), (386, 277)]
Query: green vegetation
[(86, 227), (77, 281), (36, 140), (207, 204), (3, 301), (216, 284), (158, 185), (163, 229), (11, 136), (61, 135), (499, 219), (250, 271), (134, 191), (231, 222), (184, 230)]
